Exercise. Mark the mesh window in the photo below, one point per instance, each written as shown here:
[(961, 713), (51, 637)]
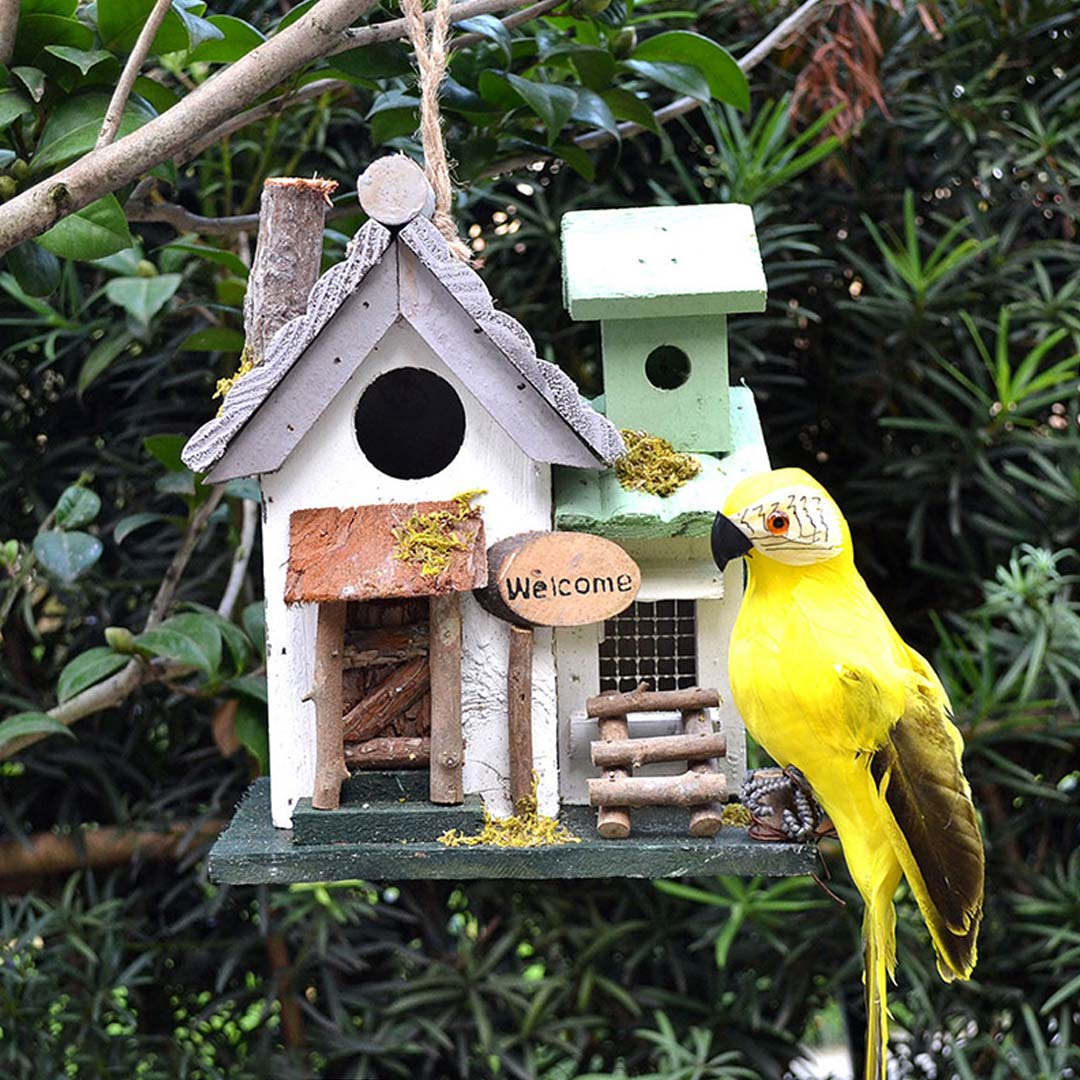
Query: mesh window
[(654, 643)]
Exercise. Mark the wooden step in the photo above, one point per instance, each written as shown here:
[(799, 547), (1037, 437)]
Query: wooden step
[(384, 821)]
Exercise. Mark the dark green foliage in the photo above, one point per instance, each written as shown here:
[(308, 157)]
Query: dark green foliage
[(919, 354)]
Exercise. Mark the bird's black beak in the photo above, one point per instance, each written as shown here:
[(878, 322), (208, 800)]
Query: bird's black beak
[(728, 541)]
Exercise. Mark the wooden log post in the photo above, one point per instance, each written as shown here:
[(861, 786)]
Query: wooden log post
[(689, 789), (326, 692), (642, 700), (390, 752), (287, 256), (612, 821), (519, 713), (633, 753), (704, 820), (447, 748)]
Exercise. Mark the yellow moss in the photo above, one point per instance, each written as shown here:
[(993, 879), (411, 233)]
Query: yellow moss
[(428, 540), (737, 815), (225, 385), (527, 828), (652, 464)]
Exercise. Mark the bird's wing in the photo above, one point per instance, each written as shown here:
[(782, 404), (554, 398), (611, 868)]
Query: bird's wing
[(927, 812)]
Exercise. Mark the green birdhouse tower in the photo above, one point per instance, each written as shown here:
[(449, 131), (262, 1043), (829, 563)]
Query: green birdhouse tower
[(662, 281)]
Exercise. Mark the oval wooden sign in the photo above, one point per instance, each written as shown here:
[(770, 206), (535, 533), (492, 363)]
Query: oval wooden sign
[(563, 578)]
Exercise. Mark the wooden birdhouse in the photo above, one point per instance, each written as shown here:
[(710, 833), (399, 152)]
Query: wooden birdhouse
[(662, 282), (406, 437)]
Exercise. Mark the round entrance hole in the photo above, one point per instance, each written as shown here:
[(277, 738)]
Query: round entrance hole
[(410, 423), (667, 367)]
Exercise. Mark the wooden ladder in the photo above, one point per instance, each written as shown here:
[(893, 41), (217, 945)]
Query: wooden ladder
[(701, 788)]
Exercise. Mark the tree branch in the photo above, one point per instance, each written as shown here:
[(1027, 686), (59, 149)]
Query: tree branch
[(9, 21), (241, 558), (118, 687), (111, 845), (797, 22), (312, 36), (115, 112)]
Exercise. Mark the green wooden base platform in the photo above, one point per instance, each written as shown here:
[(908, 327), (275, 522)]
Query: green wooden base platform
[(251, 851)]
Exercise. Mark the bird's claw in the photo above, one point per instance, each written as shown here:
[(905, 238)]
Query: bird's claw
[(783, 808)]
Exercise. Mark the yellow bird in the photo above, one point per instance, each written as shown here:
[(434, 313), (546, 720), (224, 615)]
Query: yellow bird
[(825, 683)]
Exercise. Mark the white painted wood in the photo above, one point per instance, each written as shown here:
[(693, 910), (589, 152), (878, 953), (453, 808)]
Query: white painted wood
[(680, 581), (577, 664), (394, 190), (715, 619), (326, 468)]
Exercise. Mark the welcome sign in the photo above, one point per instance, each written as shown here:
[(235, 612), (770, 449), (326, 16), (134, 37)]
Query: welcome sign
[(560, 579)]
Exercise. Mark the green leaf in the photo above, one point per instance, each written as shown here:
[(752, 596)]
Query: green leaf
[(76, 507), (577, 159), (252, 686), (120, 22), (31, 723), (237, 39), (593, 110), (48, 7), (254, 620), (393, 124), (161, 98), (681, 78), (724, 76), (211, 254), (551, 102), (383, 60), (595, 67), (84, 59), (142, 298), (33, 79), (13, 104), (166, 449), (93, 232), (457, 98), (40, 30), (252, 731), (235, 639), (101, 359), (67, 555), (189, 639), (88, 669), (36, 270), (214, 339), (244, 487), (628, 106), (491, 28), (72, 127), (127, 525), (293, 14)]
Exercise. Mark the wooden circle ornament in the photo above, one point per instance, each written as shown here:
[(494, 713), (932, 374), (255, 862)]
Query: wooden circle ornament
[(558, 579)]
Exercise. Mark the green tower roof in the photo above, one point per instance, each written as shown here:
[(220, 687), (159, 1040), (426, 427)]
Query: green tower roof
[(660, 261)]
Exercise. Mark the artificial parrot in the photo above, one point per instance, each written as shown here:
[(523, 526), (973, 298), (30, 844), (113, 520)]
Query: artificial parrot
[(827, 685)]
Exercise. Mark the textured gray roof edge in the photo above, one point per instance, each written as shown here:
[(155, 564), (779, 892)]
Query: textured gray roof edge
[(208, 445), (513, 340)]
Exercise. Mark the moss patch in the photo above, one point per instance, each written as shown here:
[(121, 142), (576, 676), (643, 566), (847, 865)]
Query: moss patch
[(653, 465), (527, 828), (225, 385), (429, 540), (736, 814)]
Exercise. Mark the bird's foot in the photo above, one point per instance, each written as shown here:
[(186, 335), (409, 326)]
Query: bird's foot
[(783, 808)]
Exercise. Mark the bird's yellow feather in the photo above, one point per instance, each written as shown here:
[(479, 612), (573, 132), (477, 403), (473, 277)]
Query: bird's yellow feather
[(825, 683)]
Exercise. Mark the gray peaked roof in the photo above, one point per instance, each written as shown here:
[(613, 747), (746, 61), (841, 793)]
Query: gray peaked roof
[(411, 277)]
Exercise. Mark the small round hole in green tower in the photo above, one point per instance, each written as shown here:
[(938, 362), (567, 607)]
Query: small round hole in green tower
[(667, 367)]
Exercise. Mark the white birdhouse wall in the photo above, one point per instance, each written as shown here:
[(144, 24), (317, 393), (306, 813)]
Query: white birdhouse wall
[(328, 469)]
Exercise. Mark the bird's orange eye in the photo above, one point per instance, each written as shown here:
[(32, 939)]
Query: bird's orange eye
[(777, 523)]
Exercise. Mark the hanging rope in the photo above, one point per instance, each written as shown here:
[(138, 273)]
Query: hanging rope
[(431, 61)]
